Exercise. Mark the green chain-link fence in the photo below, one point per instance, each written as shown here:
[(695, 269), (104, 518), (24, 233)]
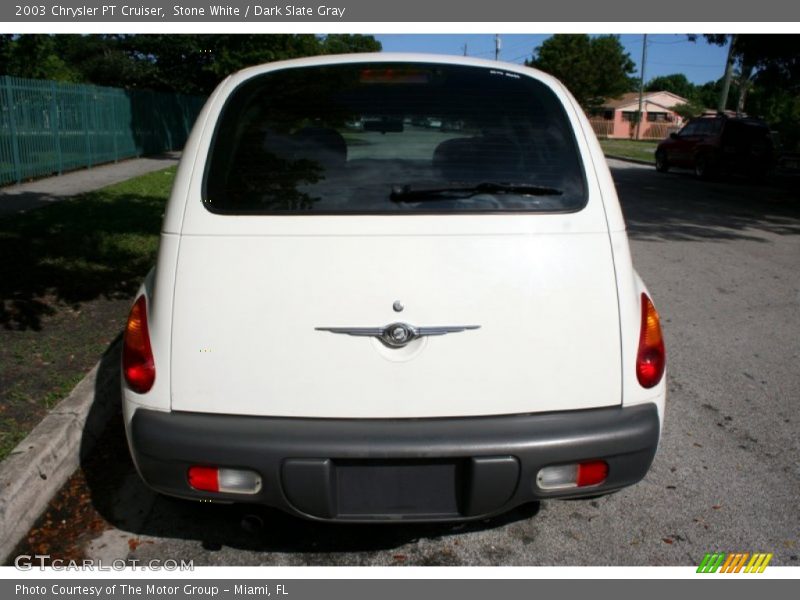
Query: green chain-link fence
[(48, 127)]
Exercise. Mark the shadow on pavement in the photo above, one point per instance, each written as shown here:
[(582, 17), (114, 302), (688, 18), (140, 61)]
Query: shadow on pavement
[(126, 503), (676, 206)]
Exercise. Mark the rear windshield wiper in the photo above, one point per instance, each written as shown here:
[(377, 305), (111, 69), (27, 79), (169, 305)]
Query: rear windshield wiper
[(406, 194)]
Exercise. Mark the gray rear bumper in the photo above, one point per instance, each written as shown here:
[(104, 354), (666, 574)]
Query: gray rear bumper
[(388, 470)]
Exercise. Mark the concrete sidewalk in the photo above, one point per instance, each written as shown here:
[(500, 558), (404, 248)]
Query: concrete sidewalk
[(26, 196)]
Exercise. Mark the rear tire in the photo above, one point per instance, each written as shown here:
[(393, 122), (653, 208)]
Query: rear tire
[(702, 167), (759, 175), (662, 164)]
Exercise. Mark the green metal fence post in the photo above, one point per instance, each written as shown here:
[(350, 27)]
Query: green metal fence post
[(12, 124), (85, 113), (96, 121), (55, 125), (113, 100)]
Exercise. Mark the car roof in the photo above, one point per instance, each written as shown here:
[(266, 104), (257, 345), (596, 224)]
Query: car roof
[(740, 119)]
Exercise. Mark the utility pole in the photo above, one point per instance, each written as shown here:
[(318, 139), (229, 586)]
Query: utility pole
[(641, 88), (465, 49), (497, 44), (726, 83)]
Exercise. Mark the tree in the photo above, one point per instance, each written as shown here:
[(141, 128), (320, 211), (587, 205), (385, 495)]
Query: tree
[(764, 59), (6, 41), (677, 83), (777, 55), (35, 56), (342, 43), (687, 110), (708, 93), (592, 68), (769, 67), (192, 64), (105, 60)]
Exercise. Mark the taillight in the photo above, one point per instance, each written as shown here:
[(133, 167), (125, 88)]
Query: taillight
[(582, 474), (204, 478), (231, 481), (137, 355), (592, 472), (651, 358)]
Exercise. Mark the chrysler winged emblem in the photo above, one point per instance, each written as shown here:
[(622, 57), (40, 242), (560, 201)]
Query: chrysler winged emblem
[(397, 335)]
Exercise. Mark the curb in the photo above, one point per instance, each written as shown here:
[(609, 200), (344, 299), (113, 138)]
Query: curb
[(37, 468), (635, 161)]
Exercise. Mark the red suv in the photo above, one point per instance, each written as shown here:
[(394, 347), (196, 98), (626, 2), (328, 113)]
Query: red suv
[(717, 144)]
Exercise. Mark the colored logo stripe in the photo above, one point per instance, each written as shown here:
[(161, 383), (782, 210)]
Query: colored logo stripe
[(758, 563), (734, 562), (711, 562)]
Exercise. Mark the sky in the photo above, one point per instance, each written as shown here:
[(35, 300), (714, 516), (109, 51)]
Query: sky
[(666, 53)]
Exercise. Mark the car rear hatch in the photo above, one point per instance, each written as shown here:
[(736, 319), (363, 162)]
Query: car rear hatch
[(248, 309), (285, 286)]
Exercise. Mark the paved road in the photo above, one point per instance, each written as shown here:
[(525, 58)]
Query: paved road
[(722, 262)]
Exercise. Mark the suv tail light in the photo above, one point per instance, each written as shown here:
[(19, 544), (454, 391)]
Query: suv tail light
[(651, 358), (137, 355)]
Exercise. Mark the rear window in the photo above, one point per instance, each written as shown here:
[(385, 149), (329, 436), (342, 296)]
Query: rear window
[(739, 131), (388, 138)]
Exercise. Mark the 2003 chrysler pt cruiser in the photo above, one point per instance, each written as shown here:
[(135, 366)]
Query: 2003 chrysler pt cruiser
[(392, 287)]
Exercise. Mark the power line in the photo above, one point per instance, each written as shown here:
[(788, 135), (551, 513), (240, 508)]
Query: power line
[(526, 56), (670, 43), (672, 64), (482, 53)]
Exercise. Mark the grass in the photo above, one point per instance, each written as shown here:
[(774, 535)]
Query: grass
[(637, 150), (11, 434), (67, 277)]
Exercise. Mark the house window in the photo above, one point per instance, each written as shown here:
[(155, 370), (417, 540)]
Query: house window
[(629, 115), (607, 114), (657, 117)]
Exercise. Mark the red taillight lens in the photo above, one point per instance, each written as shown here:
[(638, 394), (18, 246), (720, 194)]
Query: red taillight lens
[(204, 478), (137, 355), (592, 472), (651, 358)]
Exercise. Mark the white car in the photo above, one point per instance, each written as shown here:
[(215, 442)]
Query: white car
[(392, 322)]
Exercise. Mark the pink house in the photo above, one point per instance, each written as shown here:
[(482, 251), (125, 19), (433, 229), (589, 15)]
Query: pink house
[(616, 118)]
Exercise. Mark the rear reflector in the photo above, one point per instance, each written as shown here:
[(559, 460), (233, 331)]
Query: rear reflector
[(574, 475), (592, 472), (231, 481), (204, 478)]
